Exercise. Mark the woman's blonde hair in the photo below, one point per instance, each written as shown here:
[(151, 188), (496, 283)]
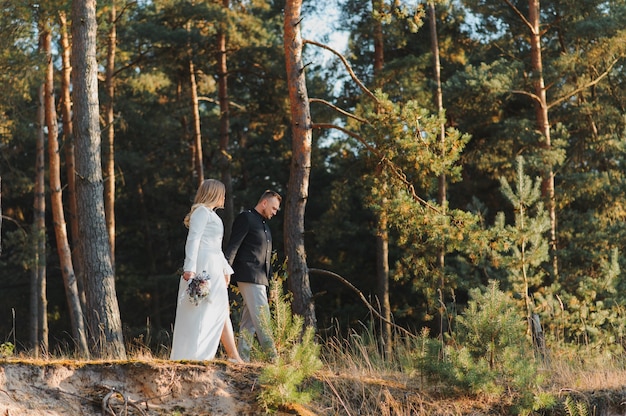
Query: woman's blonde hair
[(210, 193)]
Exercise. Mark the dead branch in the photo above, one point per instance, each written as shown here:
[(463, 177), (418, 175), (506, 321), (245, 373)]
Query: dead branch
[(108, 409), (346, 64), (339, 110)]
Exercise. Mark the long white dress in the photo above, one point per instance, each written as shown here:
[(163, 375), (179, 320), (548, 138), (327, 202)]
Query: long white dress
[(197, 329)]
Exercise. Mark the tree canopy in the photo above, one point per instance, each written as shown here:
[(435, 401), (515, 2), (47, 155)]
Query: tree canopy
[(375, 148)]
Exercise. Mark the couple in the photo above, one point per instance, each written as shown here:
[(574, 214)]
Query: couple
[(199, 328)]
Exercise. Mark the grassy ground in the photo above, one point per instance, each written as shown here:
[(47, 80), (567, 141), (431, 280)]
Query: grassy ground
[(354, 380)]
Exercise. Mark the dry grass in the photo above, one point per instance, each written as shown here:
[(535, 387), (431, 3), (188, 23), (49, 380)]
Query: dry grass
[(599, 373), (359, 379)]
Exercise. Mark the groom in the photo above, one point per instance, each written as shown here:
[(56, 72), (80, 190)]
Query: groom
[(249, 252)]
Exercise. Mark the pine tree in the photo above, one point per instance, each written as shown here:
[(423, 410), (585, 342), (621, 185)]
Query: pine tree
[(521, 248)]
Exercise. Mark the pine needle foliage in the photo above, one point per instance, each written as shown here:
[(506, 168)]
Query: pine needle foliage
[(521, 248), (286, 379), (487, 353), (575, 408)]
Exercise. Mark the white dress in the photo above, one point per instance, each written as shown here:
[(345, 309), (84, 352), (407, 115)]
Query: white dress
[(197, 329)]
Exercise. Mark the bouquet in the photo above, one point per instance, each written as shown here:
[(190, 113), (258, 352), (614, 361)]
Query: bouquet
[(199, 288)]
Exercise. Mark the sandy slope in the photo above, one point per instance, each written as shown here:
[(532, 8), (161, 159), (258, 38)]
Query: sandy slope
[(150, 388)]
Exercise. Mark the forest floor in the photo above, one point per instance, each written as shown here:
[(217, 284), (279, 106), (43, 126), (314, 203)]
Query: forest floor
[(158, 387)]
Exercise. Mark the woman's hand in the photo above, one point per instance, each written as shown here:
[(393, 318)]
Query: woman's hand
[(188, 275), (227, 279)]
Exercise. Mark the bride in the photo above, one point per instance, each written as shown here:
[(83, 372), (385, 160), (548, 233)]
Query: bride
[(199, 326)]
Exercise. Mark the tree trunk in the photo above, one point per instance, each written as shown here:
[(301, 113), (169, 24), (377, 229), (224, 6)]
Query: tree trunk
[(382, 272), (105, 327), (543, 121), (56, 204), (197, 133), (434, 45), (65, 104), (225, 157), (184, 126), (382, 233), (297, 191), (38, 300), (109, 154)]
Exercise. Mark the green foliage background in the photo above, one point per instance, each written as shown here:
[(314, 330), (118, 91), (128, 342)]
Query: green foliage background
[(489, 123)]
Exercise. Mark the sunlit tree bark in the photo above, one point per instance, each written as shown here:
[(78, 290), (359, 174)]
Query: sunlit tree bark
[(105, 327), (65, 104), (38, 300), (197, 133), (298, 188), (56, 205), (222, 76), (543, 121), (109, 146), (533, 23)]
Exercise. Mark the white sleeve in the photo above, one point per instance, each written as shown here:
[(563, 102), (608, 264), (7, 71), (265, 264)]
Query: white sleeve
[(226, 267), (197, 222)]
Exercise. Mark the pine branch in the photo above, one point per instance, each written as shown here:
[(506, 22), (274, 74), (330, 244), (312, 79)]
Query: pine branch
[(339, 110), (587, 85), (346, 64), (521, 16), (534, 97), (398, 173)]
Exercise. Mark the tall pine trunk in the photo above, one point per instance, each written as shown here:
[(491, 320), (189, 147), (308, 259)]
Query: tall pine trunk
[(197, 133), (38, 300), (298, 188), (382, 232), (56, 204), (543, 121), (225, 157), (442, 197), (105, 327), (382, 273), (109, 147), (65, 104)]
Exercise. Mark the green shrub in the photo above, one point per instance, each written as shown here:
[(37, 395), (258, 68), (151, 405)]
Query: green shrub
[(286, 379), (488, 351), (6, 349)]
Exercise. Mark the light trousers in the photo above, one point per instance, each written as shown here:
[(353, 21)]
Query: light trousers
[(255, 304)]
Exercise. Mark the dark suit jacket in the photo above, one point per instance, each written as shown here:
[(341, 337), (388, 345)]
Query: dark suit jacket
[(249, 250)]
